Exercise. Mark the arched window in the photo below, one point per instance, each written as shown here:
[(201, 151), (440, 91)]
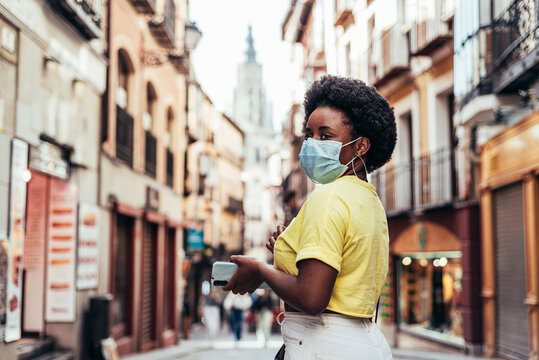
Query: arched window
[(150, 111), (148, 125), (124, 121), (168, 142), (125, 72)]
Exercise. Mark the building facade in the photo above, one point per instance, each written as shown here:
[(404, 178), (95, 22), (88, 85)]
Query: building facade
[(213, 207), (141, 172), (496, 82), (53, 74), (405, 50)]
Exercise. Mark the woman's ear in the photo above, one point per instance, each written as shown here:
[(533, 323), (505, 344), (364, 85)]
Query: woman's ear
[(362, 146)]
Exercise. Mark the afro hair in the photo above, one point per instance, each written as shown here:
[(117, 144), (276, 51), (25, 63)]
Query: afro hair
[(368, 112)]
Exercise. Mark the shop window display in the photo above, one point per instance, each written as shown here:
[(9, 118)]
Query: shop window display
[(429, 294)]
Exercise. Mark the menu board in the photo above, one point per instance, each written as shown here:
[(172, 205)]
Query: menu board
[(62, 225), (17, 209), (88, 264)]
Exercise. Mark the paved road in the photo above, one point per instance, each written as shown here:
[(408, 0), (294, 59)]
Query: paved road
[(225, 348), (232, 354)]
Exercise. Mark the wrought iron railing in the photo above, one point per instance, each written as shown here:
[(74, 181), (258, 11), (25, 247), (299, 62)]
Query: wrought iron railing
[(428, 35), (124, 136), (85, 15), (146, 6), (426, 181), (164, 26), (388, 56), (151, 154), (514, 34)]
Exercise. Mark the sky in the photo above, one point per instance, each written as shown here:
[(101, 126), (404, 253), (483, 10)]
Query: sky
[(224, 25)]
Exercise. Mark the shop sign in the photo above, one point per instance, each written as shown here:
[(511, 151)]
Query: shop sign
[(195, 237), (60, 285), (88, 250), (48, 159), (17, 209), (152, 198), (422, 237)]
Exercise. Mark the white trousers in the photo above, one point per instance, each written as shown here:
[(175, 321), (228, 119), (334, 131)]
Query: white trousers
[(332, 337)]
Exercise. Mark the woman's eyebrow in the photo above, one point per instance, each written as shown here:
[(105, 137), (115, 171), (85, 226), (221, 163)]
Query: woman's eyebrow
[(321, 128)]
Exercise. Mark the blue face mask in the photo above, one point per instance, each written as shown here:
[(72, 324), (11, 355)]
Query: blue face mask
[(319, 159)]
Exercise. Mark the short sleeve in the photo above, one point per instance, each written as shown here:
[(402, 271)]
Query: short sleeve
[(323, 230)]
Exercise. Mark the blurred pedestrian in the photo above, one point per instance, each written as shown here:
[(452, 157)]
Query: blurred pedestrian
[(331, 262), (263, 308), (210, 309), (236, 304), (186, 317)]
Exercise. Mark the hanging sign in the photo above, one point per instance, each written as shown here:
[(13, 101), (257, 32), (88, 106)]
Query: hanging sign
[(88, 250)]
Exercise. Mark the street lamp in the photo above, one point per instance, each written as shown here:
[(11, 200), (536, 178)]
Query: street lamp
[(192, 36)]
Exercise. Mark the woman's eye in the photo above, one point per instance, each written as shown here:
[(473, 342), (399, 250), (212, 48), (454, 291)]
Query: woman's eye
[(325, 136), (306, 136)]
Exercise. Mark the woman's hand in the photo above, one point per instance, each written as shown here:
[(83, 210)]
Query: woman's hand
[(247, 278), (271, 241)]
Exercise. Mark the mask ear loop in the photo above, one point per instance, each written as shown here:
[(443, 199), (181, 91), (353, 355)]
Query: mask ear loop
[(354, 168)]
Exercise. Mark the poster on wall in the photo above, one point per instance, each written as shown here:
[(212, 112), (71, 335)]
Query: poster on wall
[(34, 253), (88, 250), (3, 282), (17, 210), (61, 252)]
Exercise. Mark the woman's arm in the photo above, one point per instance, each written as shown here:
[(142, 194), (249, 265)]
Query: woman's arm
[(309, 291)]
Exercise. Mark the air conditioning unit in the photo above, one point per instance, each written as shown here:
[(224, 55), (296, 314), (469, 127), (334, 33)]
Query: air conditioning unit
[(166, 139), (147, 121), (121, 97)]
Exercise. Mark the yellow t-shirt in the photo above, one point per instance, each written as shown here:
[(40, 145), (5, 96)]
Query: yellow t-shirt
[(342, 224)]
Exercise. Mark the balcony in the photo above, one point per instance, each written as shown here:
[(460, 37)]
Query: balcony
[(151, 154), (170, 167), (515, 50), (84, 15), (388, 57), (124, 136), (343, 13), (163, 27), (144, 6), (234, 205), (429, 35), (425, 182)]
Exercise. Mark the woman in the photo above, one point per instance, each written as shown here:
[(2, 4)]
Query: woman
[(331, 261)]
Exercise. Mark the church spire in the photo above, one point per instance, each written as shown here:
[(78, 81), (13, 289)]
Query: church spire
[(251, 53)]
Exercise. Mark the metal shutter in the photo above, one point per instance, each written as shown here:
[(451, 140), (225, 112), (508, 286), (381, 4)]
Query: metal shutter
[(148, 284), (510, 267)]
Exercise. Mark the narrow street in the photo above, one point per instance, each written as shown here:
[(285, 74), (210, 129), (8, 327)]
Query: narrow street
[(197, 347)]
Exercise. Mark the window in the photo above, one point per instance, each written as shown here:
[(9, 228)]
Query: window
[(124, 121), (147, 124), (430, 292), (168, 143)]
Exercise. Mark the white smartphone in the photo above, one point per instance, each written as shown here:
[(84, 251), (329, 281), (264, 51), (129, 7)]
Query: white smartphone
[(222, 271)]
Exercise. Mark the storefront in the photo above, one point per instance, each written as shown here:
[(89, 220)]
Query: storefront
[(428, 279), (510, 241), (143, 259)]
